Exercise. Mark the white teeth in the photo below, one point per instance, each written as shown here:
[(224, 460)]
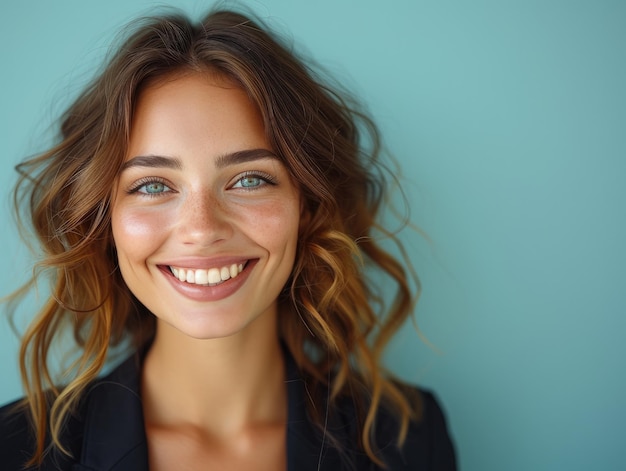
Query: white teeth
[(214, 275), (202, 277), (210, 277)]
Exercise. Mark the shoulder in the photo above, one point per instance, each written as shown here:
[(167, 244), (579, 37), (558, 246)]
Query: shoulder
[(16, 436), (17, 440), (101, 399), (428, 445), (429, 440)]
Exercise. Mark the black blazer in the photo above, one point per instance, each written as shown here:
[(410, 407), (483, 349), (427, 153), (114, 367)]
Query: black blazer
[(107, 433)]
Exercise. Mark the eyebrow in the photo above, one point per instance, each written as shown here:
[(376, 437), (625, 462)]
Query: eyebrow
[(153, 161), (241, 156), (224, 160)]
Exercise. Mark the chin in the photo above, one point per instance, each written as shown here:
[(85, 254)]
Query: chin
[(209, 326)]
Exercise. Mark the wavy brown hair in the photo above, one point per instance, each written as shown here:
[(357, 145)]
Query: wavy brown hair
[(327, 317)]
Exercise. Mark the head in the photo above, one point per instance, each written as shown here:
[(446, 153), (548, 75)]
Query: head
[(205, 217)]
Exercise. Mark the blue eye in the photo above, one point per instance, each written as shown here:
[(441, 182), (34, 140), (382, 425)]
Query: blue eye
[(249, 182), (253, 181), (150, 187), (153, 188)]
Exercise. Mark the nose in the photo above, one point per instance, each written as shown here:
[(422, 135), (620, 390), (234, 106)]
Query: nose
[(203, 219)]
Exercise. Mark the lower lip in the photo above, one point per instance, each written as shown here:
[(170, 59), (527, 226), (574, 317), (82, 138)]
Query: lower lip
[(209, 293)]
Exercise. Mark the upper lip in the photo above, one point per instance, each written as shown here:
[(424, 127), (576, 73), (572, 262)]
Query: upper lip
[(198, 263)]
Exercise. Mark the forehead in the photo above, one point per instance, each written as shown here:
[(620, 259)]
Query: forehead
[(206, 91), (193, 112)]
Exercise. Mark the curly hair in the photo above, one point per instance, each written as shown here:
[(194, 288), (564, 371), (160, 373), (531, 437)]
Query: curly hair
[(330, 148)]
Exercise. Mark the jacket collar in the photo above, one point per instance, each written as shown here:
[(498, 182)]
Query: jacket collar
[(115, 438)]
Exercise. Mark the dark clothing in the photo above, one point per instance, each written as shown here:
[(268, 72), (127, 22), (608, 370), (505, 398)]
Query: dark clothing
[(107, 433)]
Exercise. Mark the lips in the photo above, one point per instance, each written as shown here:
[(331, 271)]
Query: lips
[(207, 276), (191, 287)]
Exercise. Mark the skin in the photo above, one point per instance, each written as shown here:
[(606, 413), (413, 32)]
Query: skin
[(201, 188)]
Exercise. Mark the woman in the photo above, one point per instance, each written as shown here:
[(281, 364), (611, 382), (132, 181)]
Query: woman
[(212, 202)]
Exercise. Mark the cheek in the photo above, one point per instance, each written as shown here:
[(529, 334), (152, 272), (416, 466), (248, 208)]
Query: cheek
[(278, 225), (137, 231)]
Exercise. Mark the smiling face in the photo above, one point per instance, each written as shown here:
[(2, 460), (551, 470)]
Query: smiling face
[(205, 217)]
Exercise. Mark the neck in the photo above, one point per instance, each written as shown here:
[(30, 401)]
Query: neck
[(221, 385)]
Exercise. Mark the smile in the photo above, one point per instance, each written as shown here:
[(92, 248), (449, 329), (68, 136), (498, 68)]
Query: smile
[(209, 276)]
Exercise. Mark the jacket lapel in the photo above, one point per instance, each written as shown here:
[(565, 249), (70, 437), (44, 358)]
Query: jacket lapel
[(308, 448), (114, 437)]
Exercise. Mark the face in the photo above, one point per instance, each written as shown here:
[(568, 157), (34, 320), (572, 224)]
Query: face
[(205, 217)]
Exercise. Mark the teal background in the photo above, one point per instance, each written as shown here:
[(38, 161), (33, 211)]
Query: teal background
[(509, 122)]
